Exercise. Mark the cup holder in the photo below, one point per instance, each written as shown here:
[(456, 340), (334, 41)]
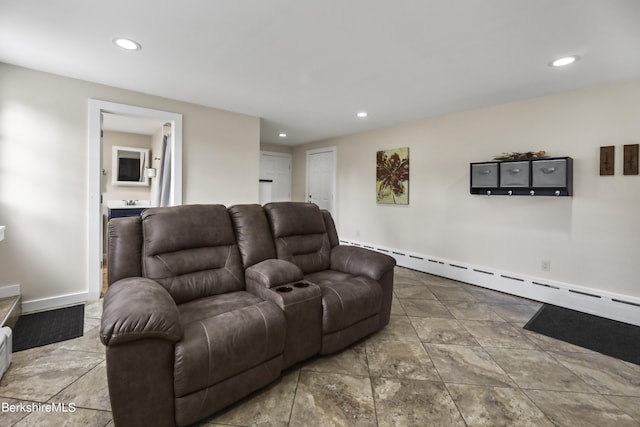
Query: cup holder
[(284, 289), (301, 285)]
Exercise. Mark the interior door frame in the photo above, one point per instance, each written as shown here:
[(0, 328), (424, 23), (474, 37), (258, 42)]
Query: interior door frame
[(334, 150), (94, 177)]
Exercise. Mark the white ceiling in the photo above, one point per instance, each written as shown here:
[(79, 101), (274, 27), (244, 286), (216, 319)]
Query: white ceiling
[(306, 67)]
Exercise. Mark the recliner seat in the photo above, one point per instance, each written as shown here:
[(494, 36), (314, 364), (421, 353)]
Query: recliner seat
[(352, 298)]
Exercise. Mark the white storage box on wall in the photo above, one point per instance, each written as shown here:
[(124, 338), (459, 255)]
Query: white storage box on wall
[(5, 349)]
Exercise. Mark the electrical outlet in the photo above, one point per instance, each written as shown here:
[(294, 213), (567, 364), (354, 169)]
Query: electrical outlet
[(545, 265)]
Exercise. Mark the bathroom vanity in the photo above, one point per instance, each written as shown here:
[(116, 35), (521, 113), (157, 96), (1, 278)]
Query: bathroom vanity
[(120, 208)]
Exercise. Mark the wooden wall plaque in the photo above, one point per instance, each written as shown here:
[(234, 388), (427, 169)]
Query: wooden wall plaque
[(607, 160), (631, 159)]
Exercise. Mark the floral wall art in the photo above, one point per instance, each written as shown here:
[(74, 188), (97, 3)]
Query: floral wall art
[(392, 176)]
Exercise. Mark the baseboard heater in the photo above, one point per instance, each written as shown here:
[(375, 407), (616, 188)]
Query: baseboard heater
[(5, 349), (598, 302)]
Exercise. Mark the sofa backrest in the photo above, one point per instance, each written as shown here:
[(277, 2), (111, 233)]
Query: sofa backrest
[(184, 246), (191, 250), (300, 235), (252, 233)]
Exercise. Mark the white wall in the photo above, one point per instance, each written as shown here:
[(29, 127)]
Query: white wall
[(592, 239), (43, 172)]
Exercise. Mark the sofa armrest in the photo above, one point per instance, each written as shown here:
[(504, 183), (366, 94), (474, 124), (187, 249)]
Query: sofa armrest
[(300, 301), (360, 261), (273, 272), (137, 308)]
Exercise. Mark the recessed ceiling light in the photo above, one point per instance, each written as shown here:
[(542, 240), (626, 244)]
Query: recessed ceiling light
[(362, 114), (561, 62), (282, 135), (127, 44)]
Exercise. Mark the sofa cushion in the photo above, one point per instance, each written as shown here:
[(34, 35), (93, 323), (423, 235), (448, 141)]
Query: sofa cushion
[(201, 403), (191, 250), (203, 308), (219, 347), (300, 235), (346, 299)]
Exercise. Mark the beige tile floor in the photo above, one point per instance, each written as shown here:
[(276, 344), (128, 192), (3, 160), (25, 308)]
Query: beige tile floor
[(452, 355)]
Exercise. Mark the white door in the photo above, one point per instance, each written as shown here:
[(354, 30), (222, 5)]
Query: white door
[(275, 177), (321, 178)]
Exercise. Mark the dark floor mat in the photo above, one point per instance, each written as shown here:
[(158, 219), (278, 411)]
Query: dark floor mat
[(48, 327), (606, 336)]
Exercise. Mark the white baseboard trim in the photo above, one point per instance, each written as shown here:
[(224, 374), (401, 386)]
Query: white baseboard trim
[(9, 291), (594, 301), (42, 304)]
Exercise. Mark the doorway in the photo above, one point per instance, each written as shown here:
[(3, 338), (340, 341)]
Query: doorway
[(95, 203), (321, 178)]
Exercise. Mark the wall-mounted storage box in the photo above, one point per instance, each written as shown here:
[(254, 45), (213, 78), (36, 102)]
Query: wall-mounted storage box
[(484, 175), (539, 177), (514, 174), (549, 173)]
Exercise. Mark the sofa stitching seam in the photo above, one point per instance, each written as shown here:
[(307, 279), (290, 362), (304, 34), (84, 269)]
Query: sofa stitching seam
[(206, 390)]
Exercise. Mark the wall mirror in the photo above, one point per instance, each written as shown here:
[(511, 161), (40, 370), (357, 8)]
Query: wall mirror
[(128, 166)]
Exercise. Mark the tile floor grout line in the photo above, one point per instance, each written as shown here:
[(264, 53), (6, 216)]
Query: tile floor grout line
[(425, 349), (295, 392), (577, 374), (606, 396), (464, 420), (75, 381), (373, 394)]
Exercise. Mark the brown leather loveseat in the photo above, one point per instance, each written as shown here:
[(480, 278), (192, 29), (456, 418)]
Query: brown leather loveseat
[(207, 304)]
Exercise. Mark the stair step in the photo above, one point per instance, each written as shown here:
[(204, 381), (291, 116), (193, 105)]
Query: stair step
[(10, 310)]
